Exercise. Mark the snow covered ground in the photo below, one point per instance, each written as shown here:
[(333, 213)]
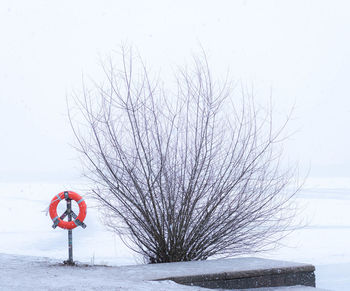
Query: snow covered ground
[(26, 230), (34, 273)]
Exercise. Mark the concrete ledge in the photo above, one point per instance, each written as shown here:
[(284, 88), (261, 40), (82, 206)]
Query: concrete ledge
[(240, 273)]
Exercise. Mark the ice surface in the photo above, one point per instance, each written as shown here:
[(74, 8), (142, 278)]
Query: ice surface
[(26, 230)]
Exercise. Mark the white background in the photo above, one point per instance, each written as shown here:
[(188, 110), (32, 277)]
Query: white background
[(297, 50)]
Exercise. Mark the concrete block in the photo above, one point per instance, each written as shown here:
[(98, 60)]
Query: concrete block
[(239, 273)]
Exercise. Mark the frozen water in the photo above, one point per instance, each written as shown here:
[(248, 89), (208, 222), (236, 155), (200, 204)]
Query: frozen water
[(26, 230)]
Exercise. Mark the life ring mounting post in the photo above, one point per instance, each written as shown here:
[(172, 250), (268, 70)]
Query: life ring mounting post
[(70, 224)]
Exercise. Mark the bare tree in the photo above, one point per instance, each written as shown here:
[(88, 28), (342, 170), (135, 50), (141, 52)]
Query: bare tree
[(187, 173)]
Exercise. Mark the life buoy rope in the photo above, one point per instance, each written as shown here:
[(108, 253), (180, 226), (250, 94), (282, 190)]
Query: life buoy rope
[(58, 220)]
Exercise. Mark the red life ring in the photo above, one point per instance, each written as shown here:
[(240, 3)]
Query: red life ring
[(58, 221)]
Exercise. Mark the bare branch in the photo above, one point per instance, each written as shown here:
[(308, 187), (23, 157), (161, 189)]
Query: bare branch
[(183, 176)]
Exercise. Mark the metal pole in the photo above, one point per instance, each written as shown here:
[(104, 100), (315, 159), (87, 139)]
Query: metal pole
[(70, 234)]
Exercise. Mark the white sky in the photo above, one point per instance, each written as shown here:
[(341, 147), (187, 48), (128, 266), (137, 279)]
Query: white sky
[(299, 49)]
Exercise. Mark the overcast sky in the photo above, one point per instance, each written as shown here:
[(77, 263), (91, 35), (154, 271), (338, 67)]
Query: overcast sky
[(298, 50)]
